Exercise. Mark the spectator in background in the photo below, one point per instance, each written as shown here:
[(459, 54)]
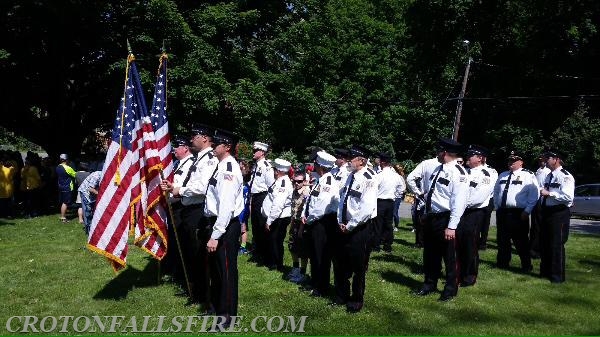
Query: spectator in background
[(399, 196), (7, 173), (80, 176), (65, 175), (48, 187), (88, 191), (30, 186), (245, 169)]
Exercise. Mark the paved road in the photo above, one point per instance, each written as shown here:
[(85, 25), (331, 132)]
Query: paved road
[(584, 226)]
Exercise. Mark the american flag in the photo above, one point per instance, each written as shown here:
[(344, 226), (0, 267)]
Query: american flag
[(114, 214), (151, 233)]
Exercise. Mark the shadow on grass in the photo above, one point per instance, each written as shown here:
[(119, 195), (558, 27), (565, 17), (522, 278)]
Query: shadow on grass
[(590, 263), (129, 279), (6, 222), (403, 242), (396, 277), (414, 267)]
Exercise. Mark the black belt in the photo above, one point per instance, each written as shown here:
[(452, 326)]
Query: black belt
[(438, 215), (390, 200), (176, 204), (554, 208), (213, 219), (259, 193), (471, 210), (511, 209)]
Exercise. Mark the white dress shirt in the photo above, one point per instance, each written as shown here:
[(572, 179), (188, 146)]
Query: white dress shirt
[(201, 170), (262, 176), (278, 202), (450, 192), (324, 198), (360, 196), (523, 190)]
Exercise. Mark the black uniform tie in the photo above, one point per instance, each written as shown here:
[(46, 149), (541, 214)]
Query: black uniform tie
[(505, 192), (345, 208), (431, 188)]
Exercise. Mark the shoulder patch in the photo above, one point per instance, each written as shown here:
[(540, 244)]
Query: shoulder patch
[(368, 176), (485, 172), (229, 167), (564, 172), (283, 183), (460, 169), (328, 180)]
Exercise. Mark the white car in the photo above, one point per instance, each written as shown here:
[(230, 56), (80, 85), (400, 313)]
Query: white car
[(587, 200)]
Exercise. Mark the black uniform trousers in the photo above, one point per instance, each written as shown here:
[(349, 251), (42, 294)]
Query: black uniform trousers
[(321, 233), (258, 221), (510, 226), (275, 238), (384, 225), (554, 233), (485, 225), (467, 245), (223, 269), (171, 263), (534, 231), (194, 249), (436, 248), (352, 259)]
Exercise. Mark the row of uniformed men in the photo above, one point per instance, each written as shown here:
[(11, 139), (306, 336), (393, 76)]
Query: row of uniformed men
[(455, 199), (207, 199)]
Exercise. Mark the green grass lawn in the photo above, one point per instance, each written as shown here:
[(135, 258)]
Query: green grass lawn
[(45, 271)]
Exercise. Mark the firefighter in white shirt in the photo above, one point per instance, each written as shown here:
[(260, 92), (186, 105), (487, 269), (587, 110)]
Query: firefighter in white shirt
[(320, 216), (536, 216), (447, 192), (389, 184), (224, 204), (481, 186), (260, 180), (356, 211), (341, 170), (414, 182), (557, 196), (192, 193), (277, 208), (172, 262), (515, 196)]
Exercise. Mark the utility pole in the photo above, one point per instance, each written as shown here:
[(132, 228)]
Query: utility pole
[(462, 95)]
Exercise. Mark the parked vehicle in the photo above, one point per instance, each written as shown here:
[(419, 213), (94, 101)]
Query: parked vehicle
[(587, 200)]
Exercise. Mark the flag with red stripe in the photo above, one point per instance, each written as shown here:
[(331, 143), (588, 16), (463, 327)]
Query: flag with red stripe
[(120, 183)]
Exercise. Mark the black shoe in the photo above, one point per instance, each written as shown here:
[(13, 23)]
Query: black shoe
[(337, 301), (483, 247), (527, 269), (417, 246), (425, 290), (354, 307), (387, 250), (467, 284), (446, 296)]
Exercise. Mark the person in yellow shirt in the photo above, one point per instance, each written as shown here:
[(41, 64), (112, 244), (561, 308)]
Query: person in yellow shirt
[(7, 174), (30, 186)]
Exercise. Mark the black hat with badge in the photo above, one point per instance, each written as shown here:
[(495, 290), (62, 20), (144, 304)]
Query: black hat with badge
[(555, 153), (449, 145), (341, 153), (201, 129), (478, 150), (358, 151), (179, 140), (225, 137), (514, 156)]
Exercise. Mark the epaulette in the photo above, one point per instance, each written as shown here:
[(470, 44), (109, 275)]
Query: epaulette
[(283, 183), (267, 164), (460, 168), (564, 172), (328, 180), (528, 171), (210, 155), (367, 175), (229, 167), (371, 171), (485, 172)]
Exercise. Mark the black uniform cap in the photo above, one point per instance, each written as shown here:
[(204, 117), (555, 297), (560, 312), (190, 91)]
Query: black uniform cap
[(225, 137), (201, 129), (449, 145), (515, 155), (385, 157), (479, 150), (179, 140), (358, 151), (555, 153), (341, 153)]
